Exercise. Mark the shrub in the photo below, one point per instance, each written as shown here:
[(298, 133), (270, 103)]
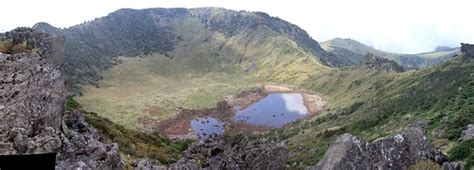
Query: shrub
[(9, 48), (463, 151), (71, 104)]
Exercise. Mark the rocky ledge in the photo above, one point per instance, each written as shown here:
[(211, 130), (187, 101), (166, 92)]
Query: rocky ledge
[(32, 97), (400, 151), (374, 62)]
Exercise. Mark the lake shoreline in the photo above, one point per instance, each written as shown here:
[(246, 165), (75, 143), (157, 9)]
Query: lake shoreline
[(179, 126)]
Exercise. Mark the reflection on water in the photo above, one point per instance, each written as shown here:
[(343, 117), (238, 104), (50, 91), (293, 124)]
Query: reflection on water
[(274, 110), (207, 126)]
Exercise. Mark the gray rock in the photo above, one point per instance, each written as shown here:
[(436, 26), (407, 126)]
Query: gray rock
[(83, 146), (451, 166), (374, 62), (468, 50), (396, 152), (32, 98), (468, 133), (348, 152), (32, 119), (147, 164), (215, 153)]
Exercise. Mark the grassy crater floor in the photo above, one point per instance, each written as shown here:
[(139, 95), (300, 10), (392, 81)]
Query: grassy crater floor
[(154, 86)]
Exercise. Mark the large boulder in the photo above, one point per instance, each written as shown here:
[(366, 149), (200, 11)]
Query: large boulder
[(396, 152)]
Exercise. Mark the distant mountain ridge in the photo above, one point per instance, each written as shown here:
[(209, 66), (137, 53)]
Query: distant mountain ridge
[(352, 52), (91, 46)]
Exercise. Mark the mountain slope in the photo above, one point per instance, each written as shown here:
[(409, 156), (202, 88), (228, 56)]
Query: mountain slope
[(352, 52), (377, 104), (91, 47), (194, 57), (191, 58)]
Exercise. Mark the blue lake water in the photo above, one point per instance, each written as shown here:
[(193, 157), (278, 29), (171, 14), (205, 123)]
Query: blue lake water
[(207, 126), (274, 110)]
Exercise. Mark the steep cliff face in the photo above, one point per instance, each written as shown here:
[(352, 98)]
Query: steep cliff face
[(396, 152), (32, 96)]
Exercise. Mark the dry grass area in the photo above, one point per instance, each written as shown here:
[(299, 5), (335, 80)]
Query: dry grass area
[(146, 86)]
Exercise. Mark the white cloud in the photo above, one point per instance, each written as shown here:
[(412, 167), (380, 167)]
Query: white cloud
[(408, 26)]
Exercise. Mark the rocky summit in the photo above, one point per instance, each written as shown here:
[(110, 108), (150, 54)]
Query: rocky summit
[(32, 118)]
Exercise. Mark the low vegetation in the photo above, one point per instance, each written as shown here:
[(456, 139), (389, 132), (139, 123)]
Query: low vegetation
[(135, 144), (464, 152), (10, 48)]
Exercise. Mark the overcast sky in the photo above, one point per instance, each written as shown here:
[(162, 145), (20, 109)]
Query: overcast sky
[(407, 26)]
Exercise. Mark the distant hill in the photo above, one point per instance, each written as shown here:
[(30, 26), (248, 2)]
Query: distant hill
[(352, 52)]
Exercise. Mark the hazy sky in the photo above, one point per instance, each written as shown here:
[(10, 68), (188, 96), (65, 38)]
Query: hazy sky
[(407, 26)]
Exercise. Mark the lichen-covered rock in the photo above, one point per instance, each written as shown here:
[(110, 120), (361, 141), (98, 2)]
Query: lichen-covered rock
[(374, 62), (215, 153), (396, 152), (32, 97)]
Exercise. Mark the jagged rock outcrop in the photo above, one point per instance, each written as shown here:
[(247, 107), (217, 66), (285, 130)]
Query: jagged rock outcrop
[(467, 50), (32, 119), (84, 147), (215, 153), (374, 62), (397, 152), (32, 98), (44, 44)]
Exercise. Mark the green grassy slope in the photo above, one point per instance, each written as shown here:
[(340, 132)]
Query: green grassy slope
[(375, 104)]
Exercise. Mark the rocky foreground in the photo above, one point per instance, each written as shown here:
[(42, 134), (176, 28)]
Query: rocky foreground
[(396, 152), (32, 117)]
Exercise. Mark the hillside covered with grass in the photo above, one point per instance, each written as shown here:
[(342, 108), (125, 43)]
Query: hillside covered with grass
[(351, 52), (374, 104), (127, 72)]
